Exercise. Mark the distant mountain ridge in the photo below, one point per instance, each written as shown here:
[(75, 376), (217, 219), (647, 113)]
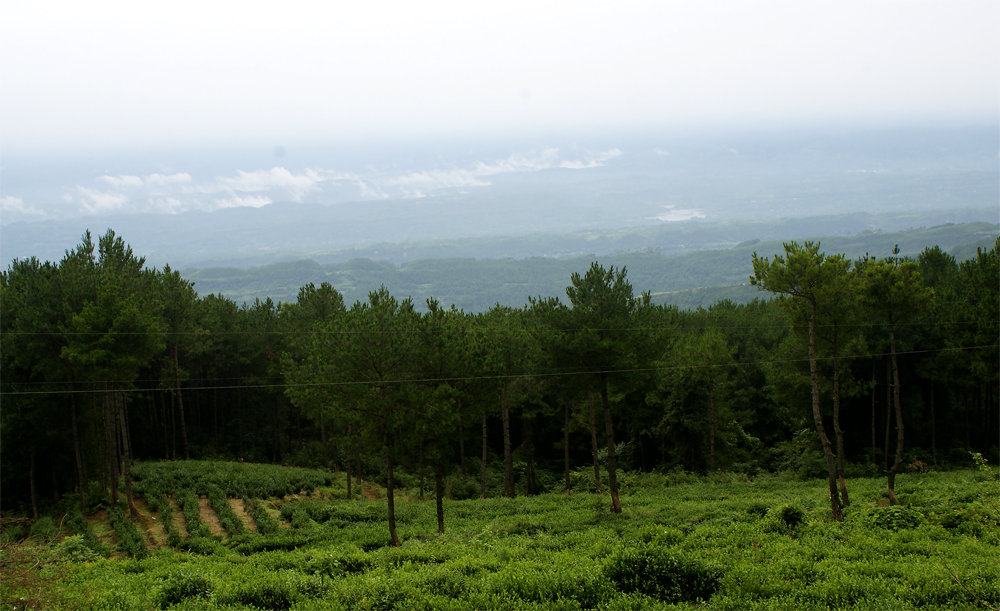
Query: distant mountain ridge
[(689, 279)]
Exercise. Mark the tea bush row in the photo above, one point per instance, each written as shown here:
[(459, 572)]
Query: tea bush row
[(227, 517), (266, 525), (234, 479), (188, 501), (129, 539)]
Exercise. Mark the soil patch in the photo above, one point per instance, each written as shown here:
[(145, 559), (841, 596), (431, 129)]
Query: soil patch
[(241, 513), (371, 492), (177, 519), (98, 522), (209, 517)]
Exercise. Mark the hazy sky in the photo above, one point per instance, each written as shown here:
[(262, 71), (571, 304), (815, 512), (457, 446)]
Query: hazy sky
[(93, 75)]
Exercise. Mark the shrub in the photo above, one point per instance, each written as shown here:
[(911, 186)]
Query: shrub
[(895, 517), (77, 524), (129, 539), (44, 528), (266, 525), (663, 575), (180, 586), (227, 517), (192, 515), (75, 549), (790, 515), (756, 508)]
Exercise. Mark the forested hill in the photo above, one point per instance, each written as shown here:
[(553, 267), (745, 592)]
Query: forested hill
[(687, 280)]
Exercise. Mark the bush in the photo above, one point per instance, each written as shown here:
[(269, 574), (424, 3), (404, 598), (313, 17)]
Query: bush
[(227, 517), (790, 515), (44, 528), (75, 549), (663, 575), (180, 586), (266, 525), (895, 517), (192, 514), (76, 523), (129, 539)]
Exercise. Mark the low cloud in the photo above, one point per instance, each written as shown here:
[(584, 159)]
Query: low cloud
[(14, 208), (179, 192)]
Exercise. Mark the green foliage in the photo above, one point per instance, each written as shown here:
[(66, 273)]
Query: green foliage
[(76, 523), (663, 575), (789, 515), (129, 538), (895, 517), (188, 501), (232, 478), (44, 528), (75, 549), (227, 517), (266, 525), (181, 586)]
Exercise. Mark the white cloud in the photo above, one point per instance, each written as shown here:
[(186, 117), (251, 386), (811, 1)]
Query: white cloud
[(161, 179), (15, 205), (236, 201), (120, 182), (680, 214), (593, 162), (275, 178), (97, 202)]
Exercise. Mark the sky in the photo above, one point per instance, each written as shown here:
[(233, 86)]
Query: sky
[(96, 80), (92, 75)]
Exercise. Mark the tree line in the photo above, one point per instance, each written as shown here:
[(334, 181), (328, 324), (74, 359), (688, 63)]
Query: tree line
[(866, 366)]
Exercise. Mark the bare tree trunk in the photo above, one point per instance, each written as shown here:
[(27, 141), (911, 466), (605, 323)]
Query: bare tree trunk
[(933, 426), (888, 418), (357, 463), (609, 433), (180, 405), (845, 500), (439, 493), (421, 469), (31, 484), (711, 426), (81, 476), (126, 453), (593, 444), (111, 442), (831, 467), (482, 464), (322, 438), (347, 460), (566, 444), (508, 460), (173, 426), (874, 461), (389, 489), (899, 420), (461, 439)]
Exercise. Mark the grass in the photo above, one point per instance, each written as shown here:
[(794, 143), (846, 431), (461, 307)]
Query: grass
[(734, 543)]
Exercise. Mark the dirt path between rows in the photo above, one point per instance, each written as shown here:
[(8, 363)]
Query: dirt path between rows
[(177, 519), (209, 517), (240, 511)]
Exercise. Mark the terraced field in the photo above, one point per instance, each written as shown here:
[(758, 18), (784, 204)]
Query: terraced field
[(233, 536)]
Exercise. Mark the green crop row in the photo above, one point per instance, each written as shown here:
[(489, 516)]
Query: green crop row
[(188, 501), (266, 525), (227, 517), (234, 479), (129, 539)]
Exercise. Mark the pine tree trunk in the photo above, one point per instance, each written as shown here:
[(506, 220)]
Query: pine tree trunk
[(126, 454), (421, 469), (461, 440), (593, 445), (439, 494), (888, 418), (31, 484), (609, 433), (874, 461), (933, 426), (899, 420), (831, 467), (180, 407), (566, 445), (845, 500), (111, 442), (347, 460), (322, 439), (482, 464), (77, 451), (711, 426), (508, 460), (389, 488)]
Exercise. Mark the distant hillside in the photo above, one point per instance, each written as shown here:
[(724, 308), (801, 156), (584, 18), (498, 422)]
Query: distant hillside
[(687, 280)]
